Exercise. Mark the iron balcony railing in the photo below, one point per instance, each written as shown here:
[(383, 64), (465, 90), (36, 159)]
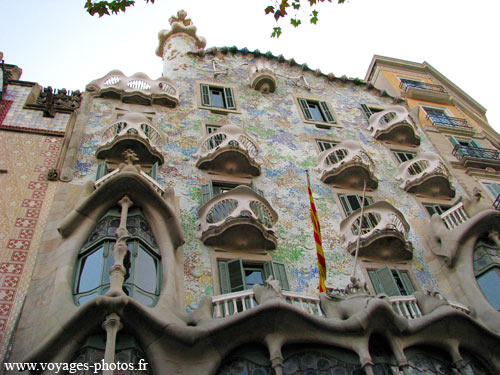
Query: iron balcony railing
[(422, 85), (496, 204), (449, 121), (461, 152)]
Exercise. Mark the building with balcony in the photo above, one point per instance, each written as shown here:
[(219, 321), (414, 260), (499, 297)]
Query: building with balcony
[(166, 223)]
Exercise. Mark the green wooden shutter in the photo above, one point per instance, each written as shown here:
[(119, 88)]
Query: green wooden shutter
[(387, 282), (366, 111), (326, 113), (236, 275), (345, 204), (278, 271), (154, 171), (453, 141), (225, 285), (405, 279), (229, 98), (102, 170), (493, 187), (206, 192), (206, 98), (473, 143), (305, 109)]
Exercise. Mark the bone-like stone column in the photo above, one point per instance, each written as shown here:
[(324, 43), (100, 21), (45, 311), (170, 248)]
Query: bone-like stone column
[(493, 235), (111, 325), (120, 248)]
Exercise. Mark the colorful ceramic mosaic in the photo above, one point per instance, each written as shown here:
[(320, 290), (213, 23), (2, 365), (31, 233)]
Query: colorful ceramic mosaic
[(287, 149)]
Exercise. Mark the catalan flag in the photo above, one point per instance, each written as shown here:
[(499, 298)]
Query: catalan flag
[(317, 239)]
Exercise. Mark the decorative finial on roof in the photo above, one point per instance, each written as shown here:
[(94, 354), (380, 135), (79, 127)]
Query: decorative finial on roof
[(180, 25)]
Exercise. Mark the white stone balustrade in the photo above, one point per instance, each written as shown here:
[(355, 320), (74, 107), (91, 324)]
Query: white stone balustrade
[(242, 207), (138, 88), (381, 221), (234, 303), (394, 125), (132, 127), (346, 165), (228, 149), (455, 216), (425, 174)]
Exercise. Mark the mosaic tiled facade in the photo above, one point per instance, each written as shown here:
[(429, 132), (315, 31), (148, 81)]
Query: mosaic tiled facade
[(175, 302)]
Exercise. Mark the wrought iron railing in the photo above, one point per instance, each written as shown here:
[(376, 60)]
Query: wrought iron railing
[(461, 152), (422, 85), (449, 121), (496, 204)]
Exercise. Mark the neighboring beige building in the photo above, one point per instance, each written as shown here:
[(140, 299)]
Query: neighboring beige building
[(174, 235)]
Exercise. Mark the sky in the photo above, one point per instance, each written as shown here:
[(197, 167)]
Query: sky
[(56, 43)]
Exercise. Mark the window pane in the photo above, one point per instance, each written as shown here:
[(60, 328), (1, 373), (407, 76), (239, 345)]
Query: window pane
[(217, 98), (254, 276), (316, 112), (489, 282), (145, 271), (91, 271), (84, 299)]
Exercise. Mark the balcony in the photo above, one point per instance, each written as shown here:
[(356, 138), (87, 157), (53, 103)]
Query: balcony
[(477, 157), (238, 302), (229, 151), (133, 131), (426, 175), (239, 219), (136, 89), (384, 233), (450, 123), (262, 77), (425, 91), (453, 227), (394, 125), (347, 166), (152, 182)]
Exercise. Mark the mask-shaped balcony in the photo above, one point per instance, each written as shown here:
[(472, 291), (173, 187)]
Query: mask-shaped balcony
[(136, 89), (262, 77), (346, 166), (239, 219), (426, 175), (394, 125), (133, 131), (384, 233), (228, 150)]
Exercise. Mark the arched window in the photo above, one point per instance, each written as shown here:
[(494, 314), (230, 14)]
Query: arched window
[(142, 281), (487, 270), (429, 361), (127, 351), (248, 359)]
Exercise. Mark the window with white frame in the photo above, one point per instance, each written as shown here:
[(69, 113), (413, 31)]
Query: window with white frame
[(404, 156), (352, 202), (393, 282), (325, 145)]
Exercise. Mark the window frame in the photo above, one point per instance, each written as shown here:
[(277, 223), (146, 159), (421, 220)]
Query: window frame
[(318, 147), (407, 282), (340, 198), (396, 155), (226, 89), (488, 190), (106, 242), (325, 108), (207, 191)]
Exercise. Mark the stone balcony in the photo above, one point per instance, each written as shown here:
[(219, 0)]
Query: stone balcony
[(394, 125), (239, 219), (133, 131), (384, 233), (262, 77), (229, 150), (426, 175), (347, 166), (136, 89)]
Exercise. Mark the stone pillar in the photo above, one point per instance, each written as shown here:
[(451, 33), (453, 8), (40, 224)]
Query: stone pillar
[(120, 248), (111, 325)]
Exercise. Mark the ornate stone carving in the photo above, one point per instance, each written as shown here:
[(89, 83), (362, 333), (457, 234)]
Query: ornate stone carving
[(180, 25), (51, 101)]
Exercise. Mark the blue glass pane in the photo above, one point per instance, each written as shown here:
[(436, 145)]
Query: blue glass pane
[(145, 300), (315, 112), (145, 271), (217, 99), (111, 261), (91, 271), (489, 282)]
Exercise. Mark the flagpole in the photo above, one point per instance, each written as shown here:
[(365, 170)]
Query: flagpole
[(317, 238), (353, 275)]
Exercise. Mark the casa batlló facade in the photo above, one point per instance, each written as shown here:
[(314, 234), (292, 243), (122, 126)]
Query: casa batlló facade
[(167, 221)]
